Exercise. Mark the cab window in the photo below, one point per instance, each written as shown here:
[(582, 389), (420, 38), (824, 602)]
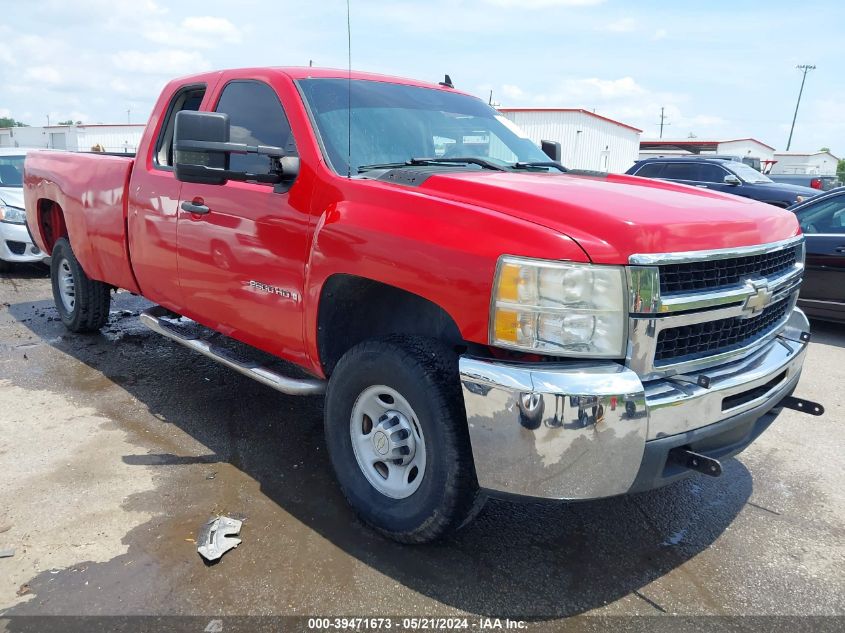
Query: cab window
[(188, 98), (256, 117)]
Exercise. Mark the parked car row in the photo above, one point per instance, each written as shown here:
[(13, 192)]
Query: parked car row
[(722, 174)]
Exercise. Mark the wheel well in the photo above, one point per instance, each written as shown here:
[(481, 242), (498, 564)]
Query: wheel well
[(353, 309), (51, 220)]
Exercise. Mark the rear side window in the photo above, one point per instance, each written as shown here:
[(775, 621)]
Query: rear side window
[(188, 98), (256, 117), (651, 170), (679, 171)]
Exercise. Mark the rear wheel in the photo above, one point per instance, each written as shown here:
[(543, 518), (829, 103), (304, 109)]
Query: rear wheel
[(398, 440), (83, 303)]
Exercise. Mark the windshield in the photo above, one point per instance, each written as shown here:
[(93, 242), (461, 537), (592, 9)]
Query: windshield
[(748, 174), (392, 123), (11, 171)]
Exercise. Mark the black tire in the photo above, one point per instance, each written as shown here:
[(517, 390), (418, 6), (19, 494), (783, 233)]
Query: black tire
[(5, 266), (425, 373), (92, 299)]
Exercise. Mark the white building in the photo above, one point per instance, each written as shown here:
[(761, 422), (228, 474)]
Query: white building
[(752, 151), (79, 138), (588, 140), (815, 163)]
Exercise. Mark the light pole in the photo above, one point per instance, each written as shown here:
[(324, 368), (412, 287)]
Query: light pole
[(804, 68)]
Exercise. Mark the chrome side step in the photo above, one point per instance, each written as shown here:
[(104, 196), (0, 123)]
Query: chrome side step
[(163, 321)]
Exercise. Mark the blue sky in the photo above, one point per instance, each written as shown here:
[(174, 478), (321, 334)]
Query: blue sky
[(721, 69)]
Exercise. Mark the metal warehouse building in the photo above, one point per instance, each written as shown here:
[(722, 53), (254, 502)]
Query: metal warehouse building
[(815, 163), (588, 140), (79, 138)]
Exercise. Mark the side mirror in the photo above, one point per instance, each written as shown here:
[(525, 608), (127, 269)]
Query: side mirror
[(733, 180), (202, 149), (551, 149), (193, 136)]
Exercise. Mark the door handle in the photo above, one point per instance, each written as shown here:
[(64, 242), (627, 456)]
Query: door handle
[(193, 207), (840, 249)]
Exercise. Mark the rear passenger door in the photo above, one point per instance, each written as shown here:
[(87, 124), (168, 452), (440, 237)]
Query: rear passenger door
[(241, 264), (153, 203)]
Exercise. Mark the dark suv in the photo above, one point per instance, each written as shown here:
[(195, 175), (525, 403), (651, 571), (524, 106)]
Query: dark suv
[(720, 174)]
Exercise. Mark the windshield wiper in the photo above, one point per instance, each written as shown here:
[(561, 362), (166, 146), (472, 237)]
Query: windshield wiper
[(458, 160), (363, 168), (540, 163)]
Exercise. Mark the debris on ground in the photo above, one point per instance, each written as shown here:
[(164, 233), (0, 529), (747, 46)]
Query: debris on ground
[(218, 536), (7, 552), (23, 590)]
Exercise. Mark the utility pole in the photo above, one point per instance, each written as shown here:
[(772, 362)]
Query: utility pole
[(804, 68), (128, 113), (663, 118)]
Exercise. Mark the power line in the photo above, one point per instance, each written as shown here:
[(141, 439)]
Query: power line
[(804, 68)]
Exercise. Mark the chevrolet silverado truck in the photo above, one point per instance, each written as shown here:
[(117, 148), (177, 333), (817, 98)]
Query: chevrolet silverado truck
[(481, 320)]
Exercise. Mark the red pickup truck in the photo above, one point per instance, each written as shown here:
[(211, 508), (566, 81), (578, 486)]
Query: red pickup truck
[(481, 320)]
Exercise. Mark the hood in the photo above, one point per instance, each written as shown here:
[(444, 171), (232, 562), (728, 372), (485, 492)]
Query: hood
[(615, 216), (798, 190), (12, 196)]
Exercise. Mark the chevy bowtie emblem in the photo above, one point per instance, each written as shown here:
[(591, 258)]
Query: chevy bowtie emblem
[(760, 298)]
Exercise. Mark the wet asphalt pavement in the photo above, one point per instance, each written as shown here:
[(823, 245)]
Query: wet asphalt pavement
[(116, 447)]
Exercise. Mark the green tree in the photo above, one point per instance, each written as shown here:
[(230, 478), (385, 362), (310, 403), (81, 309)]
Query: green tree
[(69, 122), (7, 121), (824, 149), (840, 170)]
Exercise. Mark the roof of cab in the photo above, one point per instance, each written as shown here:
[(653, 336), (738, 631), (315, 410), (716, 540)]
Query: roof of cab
[(309, 72)]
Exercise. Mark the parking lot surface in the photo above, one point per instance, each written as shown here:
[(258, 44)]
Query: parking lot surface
[(115, 448)]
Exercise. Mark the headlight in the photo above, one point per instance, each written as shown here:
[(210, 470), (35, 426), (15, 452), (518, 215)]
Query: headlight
[(559, 308), (12, 215)]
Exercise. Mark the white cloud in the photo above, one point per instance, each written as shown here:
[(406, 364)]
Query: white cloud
[(543, 4), (49, 75), (212, 26), (623, 25), (512, 92), (659, 34), (206, 31), (163, 62)]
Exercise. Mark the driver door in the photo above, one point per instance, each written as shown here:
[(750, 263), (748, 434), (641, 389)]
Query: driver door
[(242, 261)]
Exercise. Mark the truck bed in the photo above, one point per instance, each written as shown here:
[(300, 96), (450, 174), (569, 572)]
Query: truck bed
[(91, 190)]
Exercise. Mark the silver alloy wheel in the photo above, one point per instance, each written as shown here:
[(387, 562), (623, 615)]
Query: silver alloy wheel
[(388, 442), (67, 286)]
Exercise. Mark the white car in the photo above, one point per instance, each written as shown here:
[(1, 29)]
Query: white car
[(15, 243)]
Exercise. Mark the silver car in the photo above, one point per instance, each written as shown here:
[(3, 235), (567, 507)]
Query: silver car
[(15, 243)]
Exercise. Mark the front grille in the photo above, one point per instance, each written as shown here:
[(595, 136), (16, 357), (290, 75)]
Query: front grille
[(714, 337), (718, 273), (17, 248)]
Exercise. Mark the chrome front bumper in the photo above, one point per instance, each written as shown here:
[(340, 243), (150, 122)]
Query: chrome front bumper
[(584, 430)]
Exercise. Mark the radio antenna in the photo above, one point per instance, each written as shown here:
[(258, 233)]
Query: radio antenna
[(348, 94)]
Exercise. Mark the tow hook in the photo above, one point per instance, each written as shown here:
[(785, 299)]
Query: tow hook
[(804, 406), (696, 461)]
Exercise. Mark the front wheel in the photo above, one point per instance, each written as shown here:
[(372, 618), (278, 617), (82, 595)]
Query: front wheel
[(398, 440), (83, 303)]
